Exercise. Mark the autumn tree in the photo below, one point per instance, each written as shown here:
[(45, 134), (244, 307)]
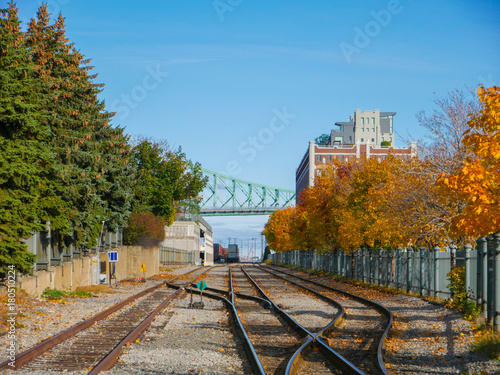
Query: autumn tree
[(477, 182)]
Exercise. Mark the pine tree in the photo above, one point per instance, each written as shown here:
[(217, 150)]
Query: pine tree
[(26, 188), (92, 157)]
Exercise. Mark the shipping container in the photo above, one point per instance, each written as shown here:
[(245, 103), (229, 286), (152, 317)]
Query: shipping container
[(233, 255)]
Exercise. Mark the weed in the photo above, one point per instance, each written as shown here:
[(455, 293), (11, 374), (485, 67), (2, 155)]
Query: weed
[(487, 342), (54, 294), (461, 299)]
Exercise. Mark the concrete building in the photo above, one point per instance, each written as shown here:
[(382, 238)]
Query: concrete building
[(191, 234), (360, 137), (364, 127)]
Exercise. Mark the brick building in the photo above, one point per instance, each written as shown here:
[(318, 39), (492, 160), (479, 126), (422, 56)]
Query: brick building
[(360, 137)]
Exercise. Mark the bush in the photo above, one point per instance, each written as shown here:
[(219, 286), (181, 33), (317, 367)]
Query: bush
[(144, 229), (461, 297), (54, 294), (385, 144)]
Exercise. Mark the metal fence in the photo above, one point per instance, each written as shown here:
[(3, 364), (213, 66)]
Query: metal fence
[(171, 256), (422, 271), (44, 245)]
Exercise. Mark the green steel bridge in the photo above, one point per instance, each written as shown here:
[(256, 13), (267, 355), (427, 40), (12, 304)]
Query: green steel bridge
[(228, 196)]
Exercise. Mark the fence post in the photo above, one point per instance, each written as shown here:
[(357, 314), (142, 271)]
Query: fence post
[(453, 251), (482, 273), (397, 266), (436, 250), (496, 281), (490, 279), (408, 288), (421, 284), (380, 267), (467, 249)]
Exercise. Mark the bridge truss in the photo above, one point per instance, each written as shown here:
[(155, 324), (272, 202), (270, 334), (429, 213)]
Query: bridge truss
[(228, 196)]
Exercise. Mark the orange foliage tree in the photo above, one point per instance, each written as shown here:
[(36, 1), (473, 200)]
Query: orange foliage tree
[(478, 181)]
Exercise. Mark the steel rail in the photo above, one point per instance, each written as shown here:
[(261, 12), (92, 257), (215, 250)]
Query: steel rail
[(48, 344), (110, 359), (254, 358), (312, 338), (51, 342), (252, 355), (383, 310)]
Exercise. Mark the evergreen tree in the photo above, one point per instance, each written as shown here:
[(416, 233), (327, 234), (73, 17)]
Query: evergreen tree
[(26, 167), (92, 157)]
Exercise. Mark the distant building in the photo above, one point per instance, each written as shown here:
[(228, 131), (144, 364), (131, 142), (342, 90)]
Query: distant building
[(191, 234), (364, 127), (360, 137)]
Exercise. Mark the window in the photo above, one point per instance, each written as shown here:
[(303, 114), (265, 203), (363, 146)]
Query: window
[(318, 157), (382, 139), (350, 138), (373, 120), (329, 158), (362, 139), (373, 139), (362, 120), (341, 157), (373, 129)]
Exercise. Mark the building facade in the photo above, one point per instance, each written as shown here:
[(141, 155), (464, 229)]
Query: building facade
[(191, 235), (372, 127), (360, 137)]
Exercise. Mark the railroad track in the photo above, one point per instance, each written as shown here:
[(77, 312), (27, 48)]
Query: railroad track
[(95, 344), (361, 335)]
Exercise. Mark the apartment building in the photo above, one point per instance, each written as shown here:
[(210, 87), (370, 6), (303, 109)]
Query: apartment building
[(362, 136)]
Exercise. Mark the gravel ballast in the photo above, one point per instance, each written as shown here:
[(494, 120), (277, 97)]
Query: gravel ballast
[(426, 338)]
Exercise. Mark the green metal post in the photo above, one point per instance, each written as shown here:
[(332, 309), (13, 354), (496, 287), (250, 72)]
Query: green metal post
[(482, 273)]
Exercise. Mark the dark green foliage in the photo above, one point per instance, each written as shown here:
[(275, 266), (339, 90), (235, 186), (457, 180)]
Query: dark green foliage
[(144, 229), (91, 158), (169, 182), (323, 139), (385, 144), (61, 161), (26, 188)]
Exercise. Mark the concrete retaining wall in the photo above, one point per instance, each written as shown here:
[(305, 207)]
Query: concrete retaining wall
[(77, 272)]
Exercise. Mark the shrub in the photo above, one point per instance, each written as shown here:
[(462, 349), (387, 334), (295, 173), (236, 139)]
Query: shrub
[(461, 297), (144, 229), (52, 294)]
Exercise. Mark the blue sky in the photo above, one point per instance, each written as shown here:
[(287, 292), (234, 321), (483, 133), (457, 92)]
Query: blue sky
[(211, 75)]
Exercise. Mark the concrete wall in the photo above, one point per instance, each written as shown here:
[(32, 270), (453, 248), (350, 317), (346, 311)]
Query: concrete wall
[(77, 272), (130, 259)]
